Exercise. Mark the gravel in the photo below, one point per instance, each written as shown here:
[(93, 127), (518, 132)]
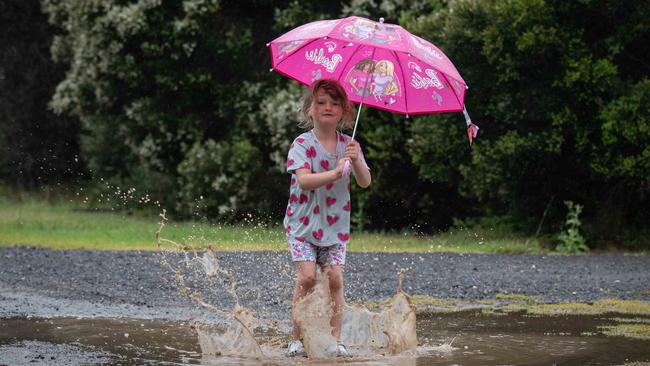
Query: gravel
[(46, 283)]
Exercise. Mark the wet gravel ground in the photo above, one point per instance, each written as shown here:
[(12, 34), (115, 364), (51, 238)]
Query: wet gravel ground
[(44, 283)]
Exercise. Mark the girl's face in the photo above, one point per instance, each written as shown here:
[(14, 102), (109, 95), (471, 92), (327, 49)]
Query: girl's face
[(326, 110), (381, 68)]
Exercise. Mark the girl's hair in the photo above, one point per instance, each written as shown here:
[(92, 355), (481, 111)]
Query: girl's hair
[(389, 67), (334, 90), (363, 63)]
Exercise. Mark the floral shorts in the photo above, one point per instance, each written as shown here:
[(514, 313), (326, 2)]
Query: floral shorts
[(333, 255)]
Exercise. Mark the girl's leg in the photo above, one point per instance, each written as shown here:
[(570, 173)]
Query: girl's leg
[(305, 280), (335, 276)]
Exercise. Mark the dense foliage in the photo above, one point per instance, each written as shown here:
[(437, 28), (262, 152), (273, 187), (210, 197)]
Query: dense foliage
[(174, 98), (36, 146)]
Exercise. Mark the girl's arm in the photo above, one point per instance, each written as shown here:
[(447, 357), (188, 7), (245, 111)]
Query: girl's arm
[(309, 181), (361, 171)]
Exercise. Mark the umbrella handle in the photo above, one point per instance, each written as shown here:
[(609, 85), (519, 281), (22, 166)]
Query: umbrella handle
[(346, 168)]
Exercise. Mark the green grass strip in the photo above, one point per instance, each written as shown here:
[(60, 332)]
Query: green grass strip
[(71, 225)]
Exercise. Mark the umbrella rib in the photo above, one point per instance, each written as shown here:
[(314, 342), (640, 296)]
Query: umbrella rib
[(446, 78), (363, 94), (296, 51), (453, 91), (348, 61), (406, 106)]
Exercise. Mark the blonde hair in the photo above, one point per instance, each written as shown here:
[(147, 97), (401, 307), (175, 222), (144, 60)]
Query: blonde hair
[(389, 67), (334, 89)]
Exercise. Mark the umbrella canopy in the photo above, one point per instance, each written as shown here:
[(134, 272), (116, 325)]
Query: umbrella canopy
[(378, 64)]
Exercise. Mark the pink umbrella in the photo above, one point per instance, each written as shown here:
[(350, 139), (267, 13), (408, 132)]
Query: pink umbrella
[(378, 64)]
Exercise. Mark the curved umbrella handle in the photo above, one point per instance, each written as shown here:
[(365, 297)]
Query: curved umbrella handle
[(346, 168)]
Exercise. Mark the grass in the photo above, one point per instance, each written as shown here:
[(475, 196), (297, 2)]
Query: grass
[(518, 297), (638, 331), (75, 225), (70, 226), (602, 306)]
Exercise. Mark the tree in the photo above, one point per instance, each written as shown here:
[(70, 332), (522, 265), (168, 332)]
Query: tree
[(156, 83), (541, 80), (36, 147)]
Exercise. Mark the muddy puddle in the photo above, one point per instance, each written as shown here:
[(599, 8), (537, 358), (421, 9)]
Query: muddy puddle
[(464, 338)]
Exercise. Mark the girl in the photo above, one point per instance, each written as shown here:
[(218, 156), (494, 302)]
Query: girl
[(359, 77), (383, 79), (317, 220)]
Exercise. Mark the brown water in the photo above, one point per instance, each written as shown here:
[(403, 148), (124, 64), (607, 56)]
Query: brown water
[(198, 273), (478, 339), (391, 336)]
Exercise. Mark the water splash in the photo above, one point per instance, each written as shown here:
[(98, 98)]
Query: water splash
[(390, 331), (238, 338), (312, 315)]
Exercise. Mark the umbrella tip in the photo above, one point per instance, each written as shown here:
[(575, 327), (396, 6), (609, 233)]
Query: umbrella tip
[(381, 20)]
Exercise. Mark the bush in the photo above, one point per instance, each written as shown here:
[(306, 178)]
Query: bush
[(571, 241), (222, 179)]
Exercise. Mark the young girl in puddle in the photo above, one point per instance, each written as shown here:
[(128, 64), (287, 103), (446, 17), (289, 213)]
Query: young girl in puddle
[(317, 220)]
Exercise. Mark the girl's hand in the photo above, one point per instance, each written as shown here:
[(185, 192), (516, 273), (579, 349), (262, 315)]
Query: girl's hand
[(352, 151), (339, 168)]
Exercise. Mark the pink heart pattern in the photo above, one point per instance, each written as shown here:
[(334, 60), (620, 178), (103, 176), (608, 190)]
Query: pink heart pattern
[(310, 221), (325, 164), (348, 206), (331, 220)]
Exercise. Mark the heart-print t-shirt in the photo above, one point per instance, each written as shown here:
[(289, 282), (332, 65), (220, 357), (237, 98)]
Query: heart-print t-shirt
[(320, 216)]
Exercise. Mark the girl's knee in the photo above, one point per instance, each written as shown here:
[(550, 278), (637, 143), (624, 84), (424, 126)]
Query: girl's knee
[(306, 280), (336, 281)]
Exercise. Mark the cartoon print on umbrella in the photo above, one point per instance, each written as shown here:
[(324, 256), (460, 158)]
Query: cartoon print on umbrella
[(288, 47), (404, 73), (437, 97), (383, 80), (366, 30), (316, 75), (358, 77)]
